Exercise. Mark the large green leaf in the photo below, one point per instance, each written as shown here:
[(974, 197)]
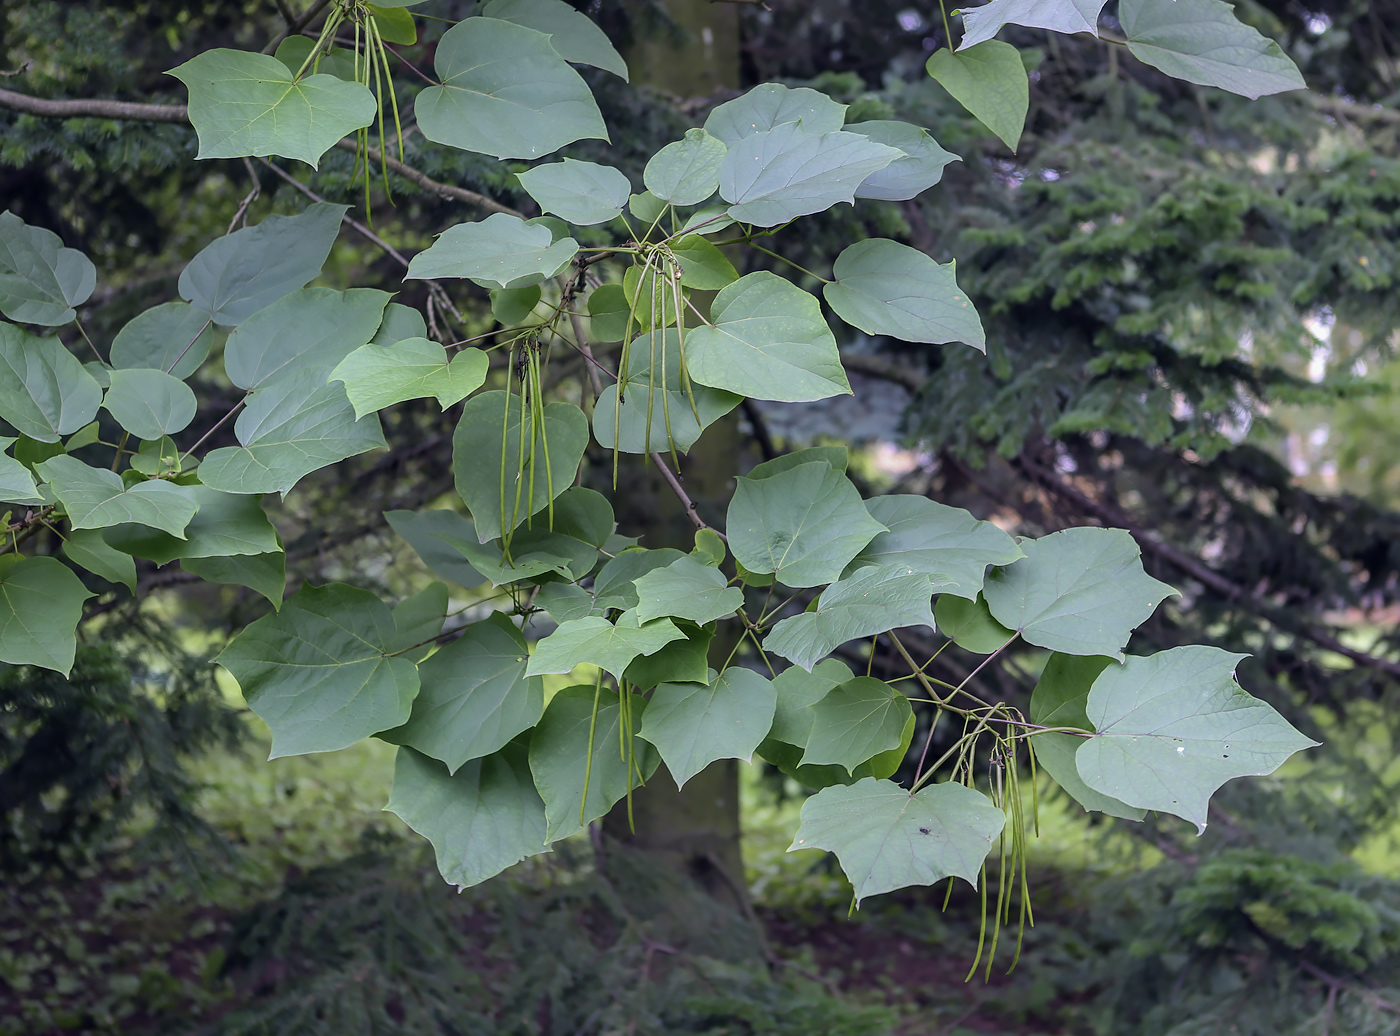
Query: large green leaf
[(945, 543), (263, 573), (775, 176), (573, 34), (173, 337), (1060, 699), (608, 311), (1080, 591), (1067, 16), (249, 104), (687, 589), (854, 722), (500, 251), (290, 427), (873, 600), (1173, 727), (41, 601), (559, 757), (505, 92), (226, 524), (236, 275), (308, 330), (686, 172), (920, 167), (150, 403), (478, 452), (475, 696), (660, 396), (1202, 41), (480, 820), (87, 549), (989, 80), (596, 641), (583, 193), (767, 339), (970, 624), (377, 376), (44, 391), (432, 534), (16, 483), (804, 525), (770, 105), (887, 839), (95, 498), (40, 280), (318, 672), (885, 288), (692, 724)]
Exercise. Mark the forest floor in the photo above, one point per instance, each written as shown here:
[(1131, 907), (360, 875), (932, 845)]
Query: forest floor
[(320, 881)]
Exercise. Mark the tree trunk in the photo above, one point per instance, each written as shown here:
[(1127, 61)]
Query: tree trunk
[(691, 832)]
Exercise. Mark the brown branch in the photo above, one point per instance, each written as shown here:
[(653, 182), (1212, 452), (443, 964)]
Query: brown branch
[(423, 180), (295, 25), (93, 108), (1198, 570)]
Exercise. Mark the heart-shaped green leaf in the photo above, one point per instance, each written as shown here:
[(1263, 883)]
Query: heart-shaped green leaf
[(692, 724), (499, 251), (377, 376), (989, 80), (40, 280)]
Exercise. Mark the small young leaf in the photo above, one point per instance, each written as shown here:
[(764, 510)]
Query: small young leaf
[(41, 601), (873, 600), (767, 340), (16, 483), (505, 92), (945, 543), (596, 641), (1173, 727), (318, 672), (770, 105), (885, 288), (703, 266), (1203, 41), (803, 525), (40, 280), (686, 172), (559, 757), (150, 403), (887, 839), (709, 548), (238, 274), (692, 724), (377, 376), (989, 80), (480, 820), (394, 25), (1080, 591), (499, 251), (583, 193), (511, 306), (475, 696), (245, 104)]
